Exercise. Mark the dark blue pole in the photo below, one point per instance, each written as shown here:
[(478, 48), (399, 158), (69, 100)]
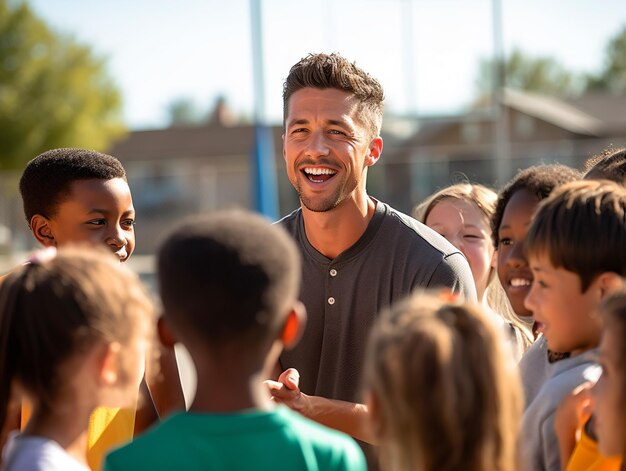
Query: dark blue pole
[(264, 172), (263, 160)]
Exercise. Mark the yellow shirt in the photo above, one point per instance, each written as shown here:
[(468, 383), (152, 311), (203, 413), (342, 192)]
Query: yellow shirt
[(108, 429), (587, 457)]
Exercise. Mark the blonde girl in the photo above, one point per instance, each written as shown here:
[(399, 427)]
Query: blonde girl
[(462, 214), (442, 394), (74, 329)]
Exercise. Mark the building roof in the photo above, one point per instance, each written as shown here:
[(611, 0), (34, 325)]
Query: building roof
[(609, 109), (188, 142), (554, 111)]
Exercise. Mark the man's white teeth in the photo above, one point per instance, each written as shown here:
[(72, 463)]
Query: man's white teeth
[(517, 282), (319, 171)]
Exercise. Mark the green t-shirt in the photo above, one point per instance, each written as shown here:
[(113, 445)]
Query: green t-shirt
[(252, 440)]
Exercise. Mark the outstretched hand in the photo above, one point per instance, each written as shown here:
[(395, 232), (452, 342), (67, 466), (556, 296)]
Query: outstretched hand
[(287, 391), (346, 417)]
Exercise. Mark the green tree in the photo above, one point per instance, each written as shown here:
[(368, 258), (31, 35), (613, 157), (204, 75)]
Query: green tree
[(612, 78), (183, 111), (533, 74), (54, 92)]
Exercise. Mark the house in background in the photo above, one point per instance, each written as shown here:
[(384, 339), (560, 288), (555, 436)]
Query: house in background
[(539, 129), (182, 170)]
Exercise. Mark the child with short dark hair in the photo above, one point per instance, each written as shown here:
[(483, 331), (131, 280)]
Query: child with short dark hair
[(79, 195), (574, 423), (229, 284), (608, 165), (442, 393), (74, 330), (576, 247), (516, 204), (75, 195)]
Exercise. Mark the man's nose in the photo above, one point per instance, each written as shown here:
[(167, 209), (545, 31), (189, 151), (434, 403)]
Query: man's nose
[(317, 145)]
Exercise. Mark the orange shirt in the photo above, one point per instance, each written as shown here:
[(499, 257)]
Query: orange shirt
[(587, 457)]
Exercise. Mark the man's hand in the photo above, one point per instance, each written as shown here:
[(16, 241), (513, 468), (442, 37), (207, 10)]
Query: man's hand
[(287, 391), (346, 417)]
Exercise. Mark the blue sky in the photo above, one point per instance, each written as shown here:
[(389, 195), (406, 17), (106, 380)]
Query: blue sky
[(424, 52)]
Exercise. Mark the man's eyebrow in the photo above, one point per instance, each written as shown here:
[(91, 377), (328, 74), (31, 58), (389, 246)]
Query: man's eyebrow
[(297, 121), (335, 122)]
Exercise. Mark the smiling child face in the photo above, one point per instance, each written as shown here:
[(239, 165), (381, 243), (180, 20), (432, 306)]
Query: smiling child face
[(99, 212)]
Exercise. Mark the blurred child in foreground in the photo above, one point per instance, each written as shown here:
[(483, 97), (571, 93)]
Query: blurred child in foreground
[(229, 284), (74, 331), (452, 357)]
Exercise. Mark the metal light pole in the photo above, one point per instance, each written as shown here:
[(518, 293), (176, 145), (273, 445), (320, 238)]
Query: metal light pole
[(263, 160), (502, 143)]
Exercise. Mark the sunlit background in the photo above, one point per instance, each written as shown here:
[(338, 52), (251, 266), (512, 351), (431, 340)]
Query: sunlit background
[(475, 89), (187, 94)]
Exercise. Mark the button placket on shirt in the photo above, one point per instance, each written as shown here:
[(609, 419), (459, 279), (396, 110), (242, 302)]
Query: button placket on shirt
[(333, 273)]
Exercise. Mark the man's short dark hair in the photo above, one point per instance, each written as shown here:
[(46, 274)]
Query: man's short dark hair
[(539, 180), (323, 71), (230, 275), (608, 165), (581, 227), (47, 179)]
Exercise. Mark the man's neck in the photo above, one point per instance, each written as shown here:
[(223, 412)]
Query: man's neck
[(332, 232)]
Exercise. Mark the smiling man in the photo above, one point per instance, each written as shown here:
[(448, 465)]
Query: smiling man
[(359, 255)]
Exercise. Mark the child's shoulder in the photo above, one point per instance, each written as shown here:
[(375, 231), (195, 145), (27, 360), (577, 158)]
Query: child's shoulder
[(311, 430), (565, 375), (238, 440), (26, 452), (155, 444), (576, 369), (332, 449)]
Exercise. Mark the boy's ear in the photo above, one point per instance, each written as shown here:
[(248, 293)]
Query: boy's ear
[(164, 331), (294, 325), (109, 364), (40, 226), (609, 282)]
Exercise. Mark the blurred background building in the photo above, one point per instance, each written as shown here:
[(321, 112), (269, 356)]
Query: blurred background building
[(475, 90)]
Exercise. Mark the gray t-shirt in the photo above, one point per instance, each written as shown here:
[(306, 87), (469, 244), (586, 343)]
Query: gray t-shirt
[(534, 369), (539, 444), (343, 296)]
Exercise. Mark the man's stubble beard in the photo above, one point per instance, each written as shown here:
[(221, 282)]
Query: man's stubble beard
[(318, 205)]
